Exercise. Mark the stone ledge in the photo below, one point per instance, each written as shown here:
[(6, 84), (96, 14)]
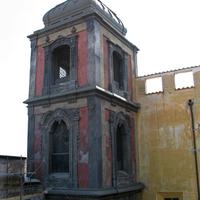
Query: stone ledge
[(83, 93), (138, 187)]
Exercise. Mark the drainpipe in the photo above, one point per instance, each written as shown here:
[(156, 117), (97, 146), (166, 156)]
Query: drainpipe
[(190, 104)]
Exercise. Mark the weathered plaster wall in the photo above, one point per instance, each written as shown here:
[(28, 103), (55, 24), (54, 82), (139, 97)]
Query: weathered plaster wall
[(165, 145), (37, 147), (83, 149)]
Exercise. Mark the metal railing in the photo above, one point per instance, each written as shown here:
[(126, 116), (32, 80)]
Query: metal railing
[(110, 12)]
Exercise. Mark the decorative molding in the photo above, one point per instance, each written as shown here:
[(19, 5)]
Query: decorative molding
[(121, 178), (74, 30), (113, 86), (71, 119), (84, 93), (55, 88), (98, 193)]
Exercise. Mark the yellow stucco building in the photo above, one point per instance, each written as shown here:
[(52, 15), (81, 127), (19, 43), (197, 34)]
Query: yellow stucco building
[(166, 154)]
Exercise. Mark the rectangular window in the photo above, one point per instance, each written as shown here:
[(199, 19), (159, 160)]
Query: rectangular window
[(118, 70), (61, 64), (184, 80), (153, 85), (171, 199), (169, 196)]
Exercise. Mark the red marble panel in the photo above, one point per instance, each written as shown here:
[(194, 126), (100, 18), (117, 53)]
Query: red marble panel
[(82, 58), (39, 71)]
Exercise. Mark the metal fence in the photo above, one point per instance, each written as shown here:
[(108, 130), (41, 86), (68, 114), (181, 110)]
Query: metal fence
[(18, 191)]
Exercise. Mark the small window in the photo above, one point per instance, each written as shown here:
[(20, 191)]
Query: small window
[(61, 64), (153, 85), (184, 80), (171, 199), (59, 148), (118, 69), (170, 196)]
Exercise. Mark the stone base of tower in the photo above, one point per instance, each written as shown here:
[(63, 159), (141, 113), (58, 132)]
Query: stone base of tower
[(130, 193)]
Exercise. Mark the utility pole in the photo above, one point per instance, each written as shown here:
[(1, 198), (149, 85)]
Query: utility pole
[(190, 104)]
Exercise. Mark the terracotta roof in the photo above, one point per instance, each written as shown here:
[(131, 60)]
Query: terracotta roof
[(170, 71)]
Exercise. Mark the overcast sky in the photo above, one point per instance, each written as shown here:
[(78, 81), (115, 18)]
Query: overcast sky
[(167, 32)]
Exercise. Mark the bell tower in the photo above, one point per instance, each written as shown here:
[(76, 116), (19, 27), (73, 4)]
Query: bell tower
[(81, 105)]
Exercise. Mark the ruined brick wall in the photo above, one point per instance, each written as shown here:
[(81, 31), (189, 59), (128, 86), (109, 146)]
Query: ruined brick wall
[(12, 176), (165, 145), (10, 170)]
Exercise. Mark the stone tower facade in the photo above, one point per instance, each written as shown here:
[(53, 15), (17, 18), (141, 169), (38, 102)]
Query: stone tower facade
[(81, 105)]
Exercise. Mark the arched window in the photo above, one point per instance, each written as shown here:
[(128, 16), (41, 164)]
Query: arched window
[(59, 148), (121, 146), (60, 73), (61, 63), (122, 157), (118, 69)]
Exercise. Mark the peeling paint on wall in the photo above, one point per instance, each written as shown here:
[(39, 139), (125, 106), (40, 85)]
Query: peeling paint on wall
[(166, 161)]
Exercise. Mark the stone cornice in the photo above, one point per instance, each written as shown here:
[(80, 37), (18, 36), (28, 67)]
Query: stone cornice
[(137, 187), (85, 92), (46, 31)]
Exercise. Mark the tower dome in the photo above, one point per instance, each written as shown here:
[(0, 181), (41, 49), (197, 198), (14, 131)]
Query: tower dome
[(72, 10)]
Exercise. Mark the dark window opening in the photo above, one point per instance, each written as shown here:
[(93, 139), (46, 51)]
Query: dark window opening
[(171, 198), (59, 148), (118, 69), (61, 63), (121, 148)]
